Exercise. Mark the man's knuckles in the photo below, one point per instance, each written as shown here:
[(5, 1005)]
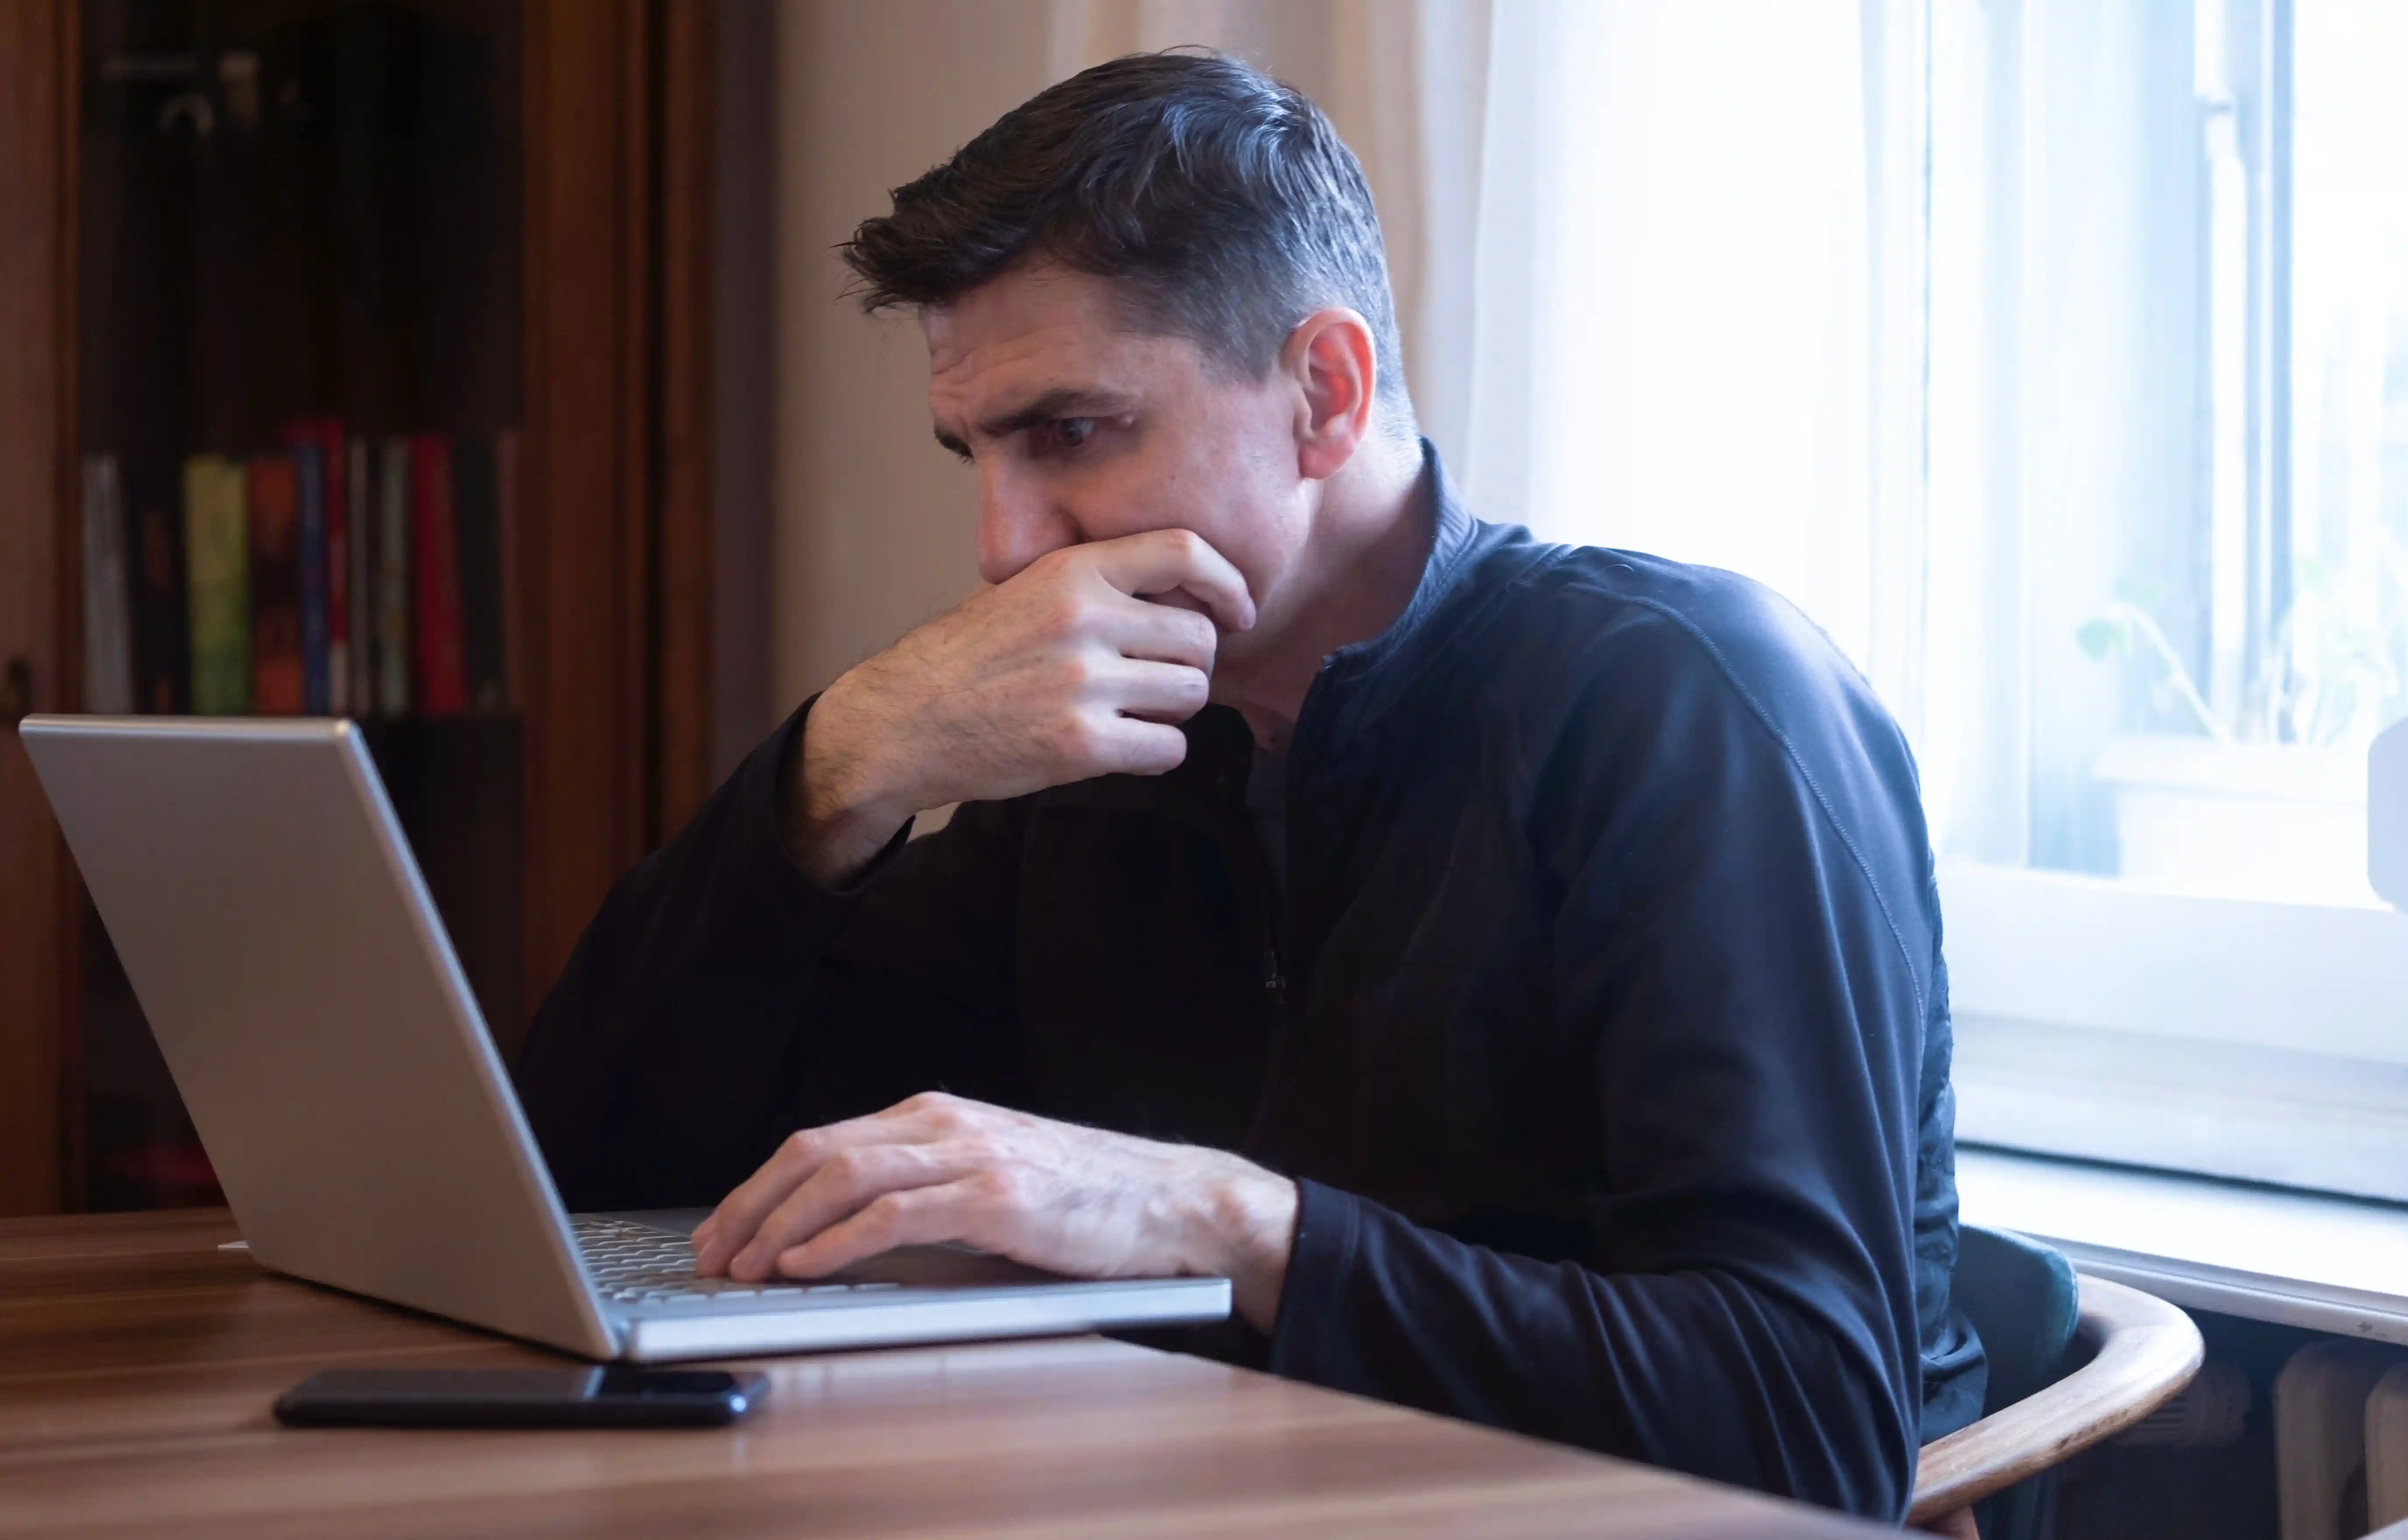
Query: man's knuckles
[(847, 1171), (942, 1109), (1080, 742), (999, 1189), (1064, 612), (1183, 549)]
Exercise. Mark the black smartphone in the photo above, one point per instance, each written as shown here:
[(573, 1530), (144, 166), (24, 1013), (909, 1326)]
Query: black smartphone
[(599, 1396)]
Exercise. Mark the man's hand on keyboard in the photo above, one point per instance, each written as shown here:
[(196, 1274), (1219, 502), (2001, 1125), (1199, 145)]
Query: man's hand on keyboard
[(1075, 1201)]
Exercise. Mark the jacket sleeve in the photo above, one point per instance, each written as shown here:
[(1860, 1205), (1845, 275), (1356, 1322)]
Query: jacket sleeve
[(720, 999), (1741, 961)]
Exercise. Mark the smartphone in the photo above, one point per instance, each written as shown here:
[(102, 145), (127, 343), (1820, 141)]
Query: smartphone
[(599, 1396)]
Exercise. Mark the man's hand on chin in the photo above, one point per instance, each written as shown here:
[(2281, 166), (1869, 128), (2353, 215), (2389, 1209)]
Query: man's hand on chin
[(1072, 1199), (1080, 665)]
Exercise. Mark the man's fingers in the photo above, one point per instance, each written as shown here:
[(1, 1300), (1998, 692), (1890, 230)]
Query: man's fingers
[(1157, 692), (1129, 745), (1164, 559), (842, 1184), (1161, 633), (956, 1211), (732, 1224)]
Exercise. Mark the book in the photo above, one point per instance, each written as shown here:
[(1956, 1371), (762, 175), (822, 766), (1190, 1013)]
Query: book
[(505, 501), (441, 686), (477, 516), (107, 598), (392, 578), (163, 634), (273, 500), (217, 575), (361, 603), (330, 657), (309, 478)]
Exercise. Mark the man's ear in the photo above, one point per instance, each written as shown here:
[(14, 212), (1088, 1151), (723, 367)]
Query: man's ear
[(1331, 357)]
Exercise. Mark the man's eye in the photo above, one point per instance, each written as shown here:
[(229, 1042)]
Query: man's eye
[(1062, 434)]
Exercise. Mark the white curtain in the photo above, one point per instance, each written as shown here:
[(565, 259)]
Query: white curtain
[(1648, 261), (1689, 336)]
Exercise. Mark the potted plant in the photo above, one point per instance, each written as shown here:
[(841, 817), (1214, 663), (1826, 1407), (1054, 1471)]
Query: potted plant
[(2266, 800)]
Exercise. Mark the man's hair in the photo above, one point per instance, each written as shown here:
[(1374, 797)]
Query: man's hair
[(1222, 203)]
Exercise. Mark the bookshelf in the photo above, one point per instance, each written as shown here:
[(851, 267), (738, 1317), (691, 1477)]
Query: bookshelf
[(362, 368)]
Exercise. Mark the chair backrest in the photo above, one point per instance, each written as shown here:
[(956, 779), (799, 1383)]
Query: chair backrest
[(2024, 1304), (2033, 1314)]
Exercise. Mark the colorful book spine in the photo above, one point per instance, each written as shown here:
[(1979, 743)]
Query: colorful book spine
[(442, 683), (107, 598), (328, 573), (393, 578), (476, 517), (505, 501), (163, 628), (360, 605), (217, 557), (317, 661), (274, 496)]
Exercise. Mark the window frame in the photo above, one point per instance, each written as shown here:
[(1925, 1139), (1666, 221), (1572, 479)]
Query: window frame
[(2095, 1017)]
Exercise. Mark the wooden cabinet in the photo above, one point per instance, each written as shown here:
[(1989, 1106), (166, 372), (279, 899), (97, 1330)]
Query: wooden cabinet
[(543, 193)]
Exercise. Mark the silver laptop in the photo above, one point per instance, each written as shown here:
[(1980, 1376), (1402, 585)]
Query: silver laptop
[(281, 942)]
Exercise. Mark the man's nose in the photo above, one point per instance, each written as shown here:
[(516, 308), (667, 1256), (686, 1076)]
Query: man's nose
[(1017, 523)]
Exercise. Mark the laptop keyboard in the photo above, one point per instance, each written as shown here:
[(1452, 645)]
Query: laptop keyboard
[(639, 1264)]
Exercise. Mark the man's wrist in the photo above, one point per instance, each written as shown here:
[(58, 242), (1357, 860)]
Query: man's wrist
[(836, 818), (1252, 1219)]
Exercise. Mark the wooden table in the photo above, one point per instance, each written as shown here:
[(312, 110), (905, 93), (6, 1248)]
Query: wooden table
[(137, 1362)]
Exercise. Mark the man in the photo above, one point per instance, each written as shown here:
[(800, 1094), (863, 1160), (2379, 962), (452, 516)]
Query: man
[(1516, 968)]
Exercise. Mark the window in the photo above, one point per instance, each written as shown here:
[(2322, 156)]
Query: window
[(2053, 354), (2166, 506)]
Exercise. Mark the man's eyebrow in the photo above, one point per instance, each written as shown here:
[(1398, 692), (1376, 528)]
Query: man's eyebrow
[(1063, 401)]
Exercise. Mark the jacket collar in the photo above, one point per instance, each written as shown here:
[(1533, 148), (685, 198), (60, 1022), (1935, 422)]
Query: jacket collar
[(1356, 683), (1364, 679)]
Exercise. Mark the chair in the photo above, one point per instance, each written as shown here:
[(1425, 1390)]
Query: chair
[(2035, 1315)]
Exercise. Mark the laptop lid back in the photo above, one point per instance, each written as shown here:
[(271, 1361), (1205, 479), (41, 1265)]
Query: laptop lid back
[(275, 930)]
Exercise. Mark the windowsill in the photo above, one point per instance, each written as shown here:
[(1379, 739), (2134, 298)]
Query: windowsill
[(2300, 1258)]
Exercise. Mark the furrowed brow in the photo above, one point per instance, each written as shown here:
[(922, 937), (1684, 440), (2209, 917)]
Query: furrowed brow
[(1065, 402)]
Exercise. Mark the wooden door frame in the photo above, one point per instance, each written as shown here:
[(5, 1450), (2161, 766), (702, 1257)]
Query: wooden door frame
[(40, 565), (619, 106), (686, 454)]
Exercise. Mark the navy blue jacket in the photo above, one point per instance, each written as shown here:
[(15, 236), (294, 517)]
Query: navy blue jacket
[(1603, 1023)]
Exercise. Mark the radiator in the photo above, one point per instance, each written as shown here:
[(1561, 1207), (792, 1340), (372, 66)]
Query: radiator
[(2341, 1440)]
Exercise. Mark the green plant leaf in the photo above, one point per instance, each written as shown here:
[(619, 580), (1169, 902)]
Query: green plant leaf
[(2100, 637)]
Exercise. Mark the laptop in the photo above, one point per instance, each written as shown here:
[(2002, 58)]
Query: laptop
[(280, 940)]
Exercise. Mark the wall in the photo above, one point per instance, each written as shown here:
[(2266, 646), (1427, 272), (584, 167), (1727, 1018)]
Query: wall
[(744, 356), (872, 533)]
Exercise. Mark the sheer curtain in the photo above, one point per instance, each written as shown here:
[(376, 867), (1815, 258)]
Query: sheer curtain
[(1693, 321), (1657, 264)]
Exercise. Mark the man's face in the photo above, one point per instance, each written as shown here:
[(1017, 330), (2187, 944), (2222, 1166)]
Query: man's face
[(1081, 429)]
